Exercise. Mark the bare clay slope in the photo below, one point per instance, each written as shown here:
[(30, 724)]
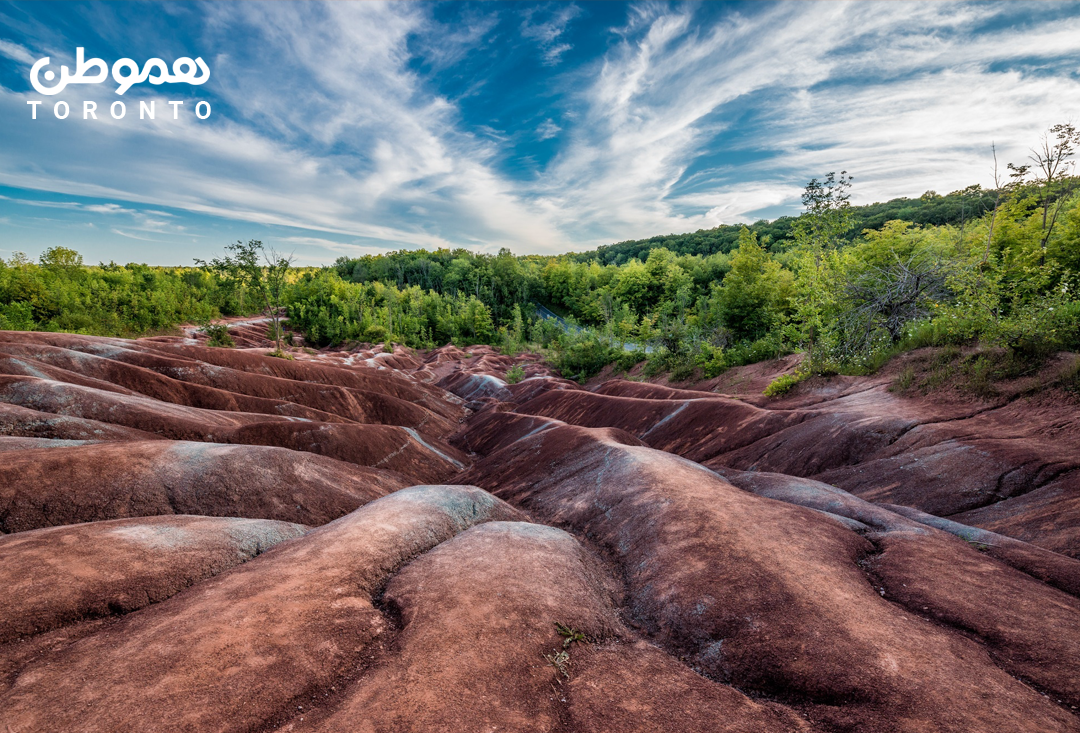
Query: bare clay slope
[(63, 386), (1014, 468), (777, 598), (206, 539)]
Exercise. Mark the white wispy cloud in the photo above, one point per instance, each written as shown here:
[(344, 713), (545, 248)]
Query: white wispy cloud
[(548, 34), (16, 52), (129, 235), (348, 139), (658, 95), (547, 130), (106, 209)]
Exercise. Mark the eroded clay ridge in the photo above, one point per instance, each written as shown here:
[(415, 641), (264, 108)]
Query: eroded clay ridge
[(202, 539)]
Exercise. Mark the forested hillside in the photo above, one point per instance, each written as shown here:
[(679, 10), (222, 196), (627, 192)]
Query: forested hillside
[(954, 208)]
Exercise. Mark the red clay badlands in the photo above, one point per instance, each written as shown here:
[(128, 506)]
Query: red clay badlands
[(201, 539)]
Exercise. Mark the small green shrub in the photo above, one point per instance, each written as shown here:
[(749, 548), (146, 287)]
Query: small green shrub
[(751, 352), (713, 362), (682, 371), (569, 634), (627, 360), (218, 335), (515, 374), (782, 385), (560, 660), (655, 364)]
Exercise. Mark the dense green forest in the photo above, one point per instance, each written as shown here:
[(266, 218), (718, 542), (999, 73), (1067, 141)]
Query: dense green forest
[(60, 293), (775, 235), (847, 285)]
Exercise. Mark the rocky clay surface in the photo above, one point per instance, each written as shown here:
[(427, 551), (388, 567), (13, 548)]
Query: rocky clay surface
[(207, 539)]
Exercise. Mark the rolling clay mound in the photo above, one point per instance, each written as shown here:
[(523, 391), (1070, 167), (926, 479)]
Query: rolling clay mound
[(298, 619), (43, 487), (696, 428), (198, 384), (84, 388), (1013, 468), (202, 539), (57, 576), (796, 612), (476, 616), (23, 422), (385, 382)]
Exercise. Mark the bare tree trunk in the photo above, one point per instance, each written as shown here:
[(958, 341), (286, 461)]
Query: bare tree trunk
[(997, 203)]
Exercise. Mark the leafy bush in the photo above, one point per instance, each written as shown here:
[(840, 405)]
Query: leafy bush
[(515, 374), (1070, 377), (62, 294), (683, 371), (627, 360), (218, 335), (584, 359), (275, 332), (752, 352), (374, 334), (16, 317)]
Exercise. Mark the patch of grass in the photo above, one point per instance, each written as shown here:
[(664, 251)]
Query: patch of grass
[(904, 381), (947, 356), (560, 658), (979, 373), (279, 354), (627, 360), (682, 372), (782, 385), (1070, 378), (652, 367)]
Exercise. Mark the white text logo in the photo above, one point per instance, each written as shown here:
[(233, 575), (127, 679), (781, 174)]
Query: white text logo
[(184, 71)]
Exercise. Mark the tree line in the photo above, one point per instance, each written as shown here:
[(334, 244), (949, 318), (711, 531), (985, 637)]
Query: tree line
[(847, 285)]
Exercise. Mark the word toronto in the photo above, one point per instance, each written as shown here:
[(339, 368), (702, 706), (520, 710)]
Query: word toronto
[(95, 71), (118, 109)]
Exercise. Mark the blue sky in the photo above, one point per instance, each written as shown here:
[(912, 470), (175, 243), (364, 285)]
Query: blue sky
[(345, 129)]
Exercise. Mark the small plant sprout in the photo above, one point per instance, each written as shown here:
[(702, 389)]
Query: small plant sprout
[(569, 634), (560, 660)]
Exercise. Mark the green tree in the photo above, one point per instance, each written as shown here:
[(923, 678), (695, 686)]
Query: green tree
[(755, 292), (819, 231), (61, 258), (262, 271), (828, 213)]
